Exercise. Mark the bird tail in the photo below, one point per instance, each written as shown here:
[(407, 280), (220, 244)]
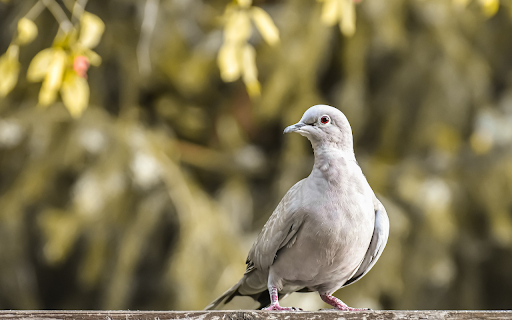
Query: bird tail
[(256, 300), (225, 298)]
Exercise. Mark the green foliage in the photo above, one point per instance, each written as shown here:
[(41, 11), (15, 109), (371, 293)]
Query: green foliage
[(146, 186)]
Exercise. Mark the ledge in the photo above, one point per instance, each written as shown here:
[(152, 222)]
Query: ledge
[(254, 315)]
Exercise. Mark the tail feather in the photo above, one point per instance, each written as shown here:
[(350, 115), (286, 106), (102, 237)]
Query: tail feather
[(224, 298), (262, 298)]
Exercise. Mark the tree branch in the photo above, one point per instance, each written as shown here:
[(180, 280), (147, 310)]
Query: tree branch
[(59, 15), (148, 25)]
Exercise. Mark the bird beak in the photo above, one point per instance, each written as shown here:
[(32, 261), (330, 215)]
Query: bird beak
[(294, 127)]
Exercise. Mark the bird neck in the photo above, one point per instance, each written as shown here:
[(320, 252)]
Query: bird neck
[(333, 152), (333, 144), (326, 157)]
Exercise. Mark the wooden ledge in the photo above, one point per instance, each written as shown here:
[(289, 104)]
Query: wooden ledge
[(254, 315)]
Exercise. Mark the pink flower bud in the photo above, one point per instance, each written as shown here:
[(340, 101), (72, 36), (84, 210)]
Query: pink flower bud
[(80, 65)]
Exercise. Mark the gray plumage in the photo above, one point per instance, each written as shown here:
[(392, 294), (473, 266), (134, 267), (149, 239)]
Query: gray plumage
[(328, 230)]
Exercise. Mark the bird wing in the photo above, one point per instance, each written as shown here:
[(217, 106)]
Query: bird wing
[(279, 231), (377, 244)]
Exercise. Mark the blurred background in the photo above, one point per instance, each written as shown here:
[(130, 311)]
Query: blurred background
[(142, 181)]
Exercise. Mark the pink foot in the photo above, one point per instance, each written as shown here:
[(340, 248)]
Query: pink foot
[(338, 304), (274, 302), (277, 307), (344, 307)]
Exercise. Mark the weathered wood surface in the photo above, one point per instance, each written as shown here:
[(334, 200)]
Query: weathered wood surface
[(254, 315)]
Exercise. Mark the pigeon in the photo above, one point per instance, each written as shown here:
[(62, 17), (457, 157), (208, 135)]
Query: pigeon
[(327, 232)]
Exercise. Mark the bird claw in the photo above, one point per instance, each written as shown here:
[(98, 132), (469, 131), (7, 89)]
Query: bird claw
[(277, 307), (347, 308), (338, 304)]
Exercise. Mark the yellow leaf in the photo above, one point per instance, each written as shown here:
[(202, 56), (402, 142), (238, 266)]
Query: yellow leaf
[(53, 78), (331, 11), (67, 39), (39, 65), (490, 7), (13, 51), (9, 70), (228, 61), (348, 18), (91, 30), (244, 3), (249, 63), (27, 31), (265, 25), (75, 94), (94, 58), (250, 71), (47, 96), (238, 28), (253, 88)]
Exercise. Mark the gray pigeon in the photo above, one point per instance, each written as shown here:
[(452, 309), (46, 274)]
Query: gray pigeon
[(328, 230)]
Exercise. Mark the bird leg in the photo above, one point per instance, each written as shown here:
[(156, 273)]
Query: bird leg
[(338, 304), (274, 302)]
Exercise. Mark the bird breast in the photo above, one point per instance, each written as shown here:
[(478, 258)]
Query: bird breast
[(335, 234)]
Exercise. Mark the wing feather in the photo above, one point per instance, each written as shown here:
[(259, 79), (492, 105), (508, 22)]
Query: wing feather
[(279, 231), (377, 244)]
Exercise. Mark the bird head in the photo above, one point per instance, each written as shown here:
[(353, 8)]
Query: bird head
[(324, 126)]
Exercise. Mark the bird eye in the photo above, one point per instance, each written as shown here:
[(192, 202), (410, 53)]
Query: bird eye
[(325, 119)]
